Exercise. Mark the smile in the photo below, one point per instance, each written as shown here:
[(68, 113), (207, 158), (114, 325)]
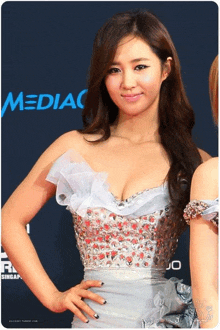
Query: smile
[(132, 97)]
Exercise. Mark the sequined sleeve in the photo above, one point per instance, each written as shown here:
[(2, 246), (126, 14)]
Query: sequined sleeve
[(208, 209)]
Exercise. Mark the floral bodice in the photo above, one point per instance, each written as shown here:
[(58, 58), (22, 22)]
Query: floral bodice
[(134, 233)]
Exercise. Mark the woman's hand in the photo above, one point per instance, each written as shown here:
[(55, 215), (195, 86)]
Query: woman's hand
[(72, 299)]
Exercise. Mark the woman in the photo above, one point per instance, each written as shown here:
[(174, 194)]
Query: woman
[(202, 215), (125, 177)]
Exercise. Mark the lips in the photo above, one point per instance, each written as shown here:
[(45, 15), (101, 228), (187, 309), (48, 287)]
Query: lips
[(132, 97)]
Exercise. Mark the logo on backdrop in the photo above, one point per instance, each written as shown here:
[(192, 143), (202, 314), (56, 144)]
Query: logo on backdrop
[(42, 102), (8, 272)]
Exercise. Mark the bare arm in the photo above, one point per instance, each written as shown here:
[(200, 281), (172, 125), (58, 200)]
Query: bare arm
[(21, 207), (204, 247)]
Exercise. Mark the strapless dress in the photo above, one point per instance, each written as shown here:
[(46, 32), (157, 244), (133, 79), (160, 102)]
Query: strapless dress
[(127, 245)]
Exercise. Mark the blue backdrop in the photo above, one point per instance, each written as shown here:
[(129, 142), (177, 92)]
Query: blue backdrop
[(46, 49)]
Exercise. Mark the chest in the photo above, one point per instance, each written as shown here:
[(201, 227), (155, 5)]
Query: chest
[(130, 169)]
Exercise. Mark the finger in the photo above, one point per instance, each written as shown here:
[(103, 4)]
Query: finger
[(88, 310), (77, 312), (90, 283), (92, 296)]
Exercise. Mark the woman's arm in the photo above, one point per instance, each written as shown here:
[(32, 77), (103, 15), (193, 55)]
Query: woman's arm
[(204, 247), (20, 208)]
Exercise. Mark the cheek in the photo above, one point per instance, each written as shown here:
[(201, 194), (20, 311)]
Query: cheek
[(112, 84), (150, 82), (146, 80)]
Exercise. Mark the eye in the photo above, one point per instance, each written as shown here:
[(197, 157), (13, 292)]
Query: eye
[(113, 70), (140, 67)]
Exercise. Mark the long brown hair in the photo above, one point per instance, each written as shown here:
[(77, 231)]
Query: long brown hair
[(176, 117), (213, 88)]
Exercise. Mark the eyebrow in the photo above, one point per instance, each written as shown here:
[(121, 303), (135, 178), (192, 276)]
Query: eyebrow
[(133, 61)]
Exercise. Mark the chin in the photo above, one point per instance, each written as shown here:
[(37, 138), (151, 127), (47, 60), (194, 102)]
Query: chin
[(132, 112)]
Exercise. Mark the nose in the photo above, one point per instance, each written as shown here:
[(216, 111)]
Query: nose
[(128, 80)]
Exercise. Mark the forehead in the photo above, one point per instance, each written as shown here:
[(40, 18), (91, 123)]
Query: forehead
[(131, 47)]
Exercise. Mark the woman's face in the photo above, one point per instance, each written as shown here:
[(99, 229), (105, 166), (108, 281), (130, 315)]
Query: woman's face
[(135, 77)]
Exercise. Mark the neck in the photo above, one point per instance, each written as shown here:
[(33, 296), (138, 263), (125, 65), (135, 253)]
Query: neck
[(138, 129)]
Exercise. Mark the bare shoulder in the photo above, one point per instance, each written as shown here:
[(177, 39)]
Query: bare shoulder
[(75, 137), (208, 169), (205, 180), (63, 143), (205, 156), (70, 140), (77, 141), (67, 140)]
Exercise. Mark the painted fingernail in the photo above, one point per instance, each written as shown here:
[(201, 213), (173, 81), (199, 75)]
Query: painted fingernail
[(96, 316), (102, 283), (87, 321), (104, 302)]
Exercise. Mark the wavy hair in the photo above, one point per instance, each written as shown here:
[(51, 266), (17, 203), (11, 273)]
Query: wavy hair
[(176, 116)]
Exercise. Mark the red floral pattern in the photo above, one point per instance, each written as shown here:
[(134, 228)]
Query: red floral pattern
[(106, 239)]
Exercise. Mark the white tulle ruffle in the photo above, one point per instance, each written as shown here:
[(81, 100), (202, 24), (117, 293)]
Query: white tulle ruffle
[(79, 187)]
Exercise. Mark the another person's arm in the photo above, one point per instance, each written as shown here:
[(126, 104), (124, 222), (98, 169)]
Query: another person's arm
[(204, 247)]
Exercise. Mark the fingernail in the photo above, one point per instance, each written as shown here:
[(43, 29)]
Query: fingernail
[(102, 283), (104, 302), (87, 321), (96, 316)]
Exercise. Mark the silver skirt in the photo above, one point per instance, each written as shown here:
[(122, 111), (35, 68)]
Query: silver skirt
[(140, 298)]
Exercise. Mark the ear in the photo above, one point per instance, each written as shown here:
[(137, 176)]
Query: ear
[(167, 68)]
